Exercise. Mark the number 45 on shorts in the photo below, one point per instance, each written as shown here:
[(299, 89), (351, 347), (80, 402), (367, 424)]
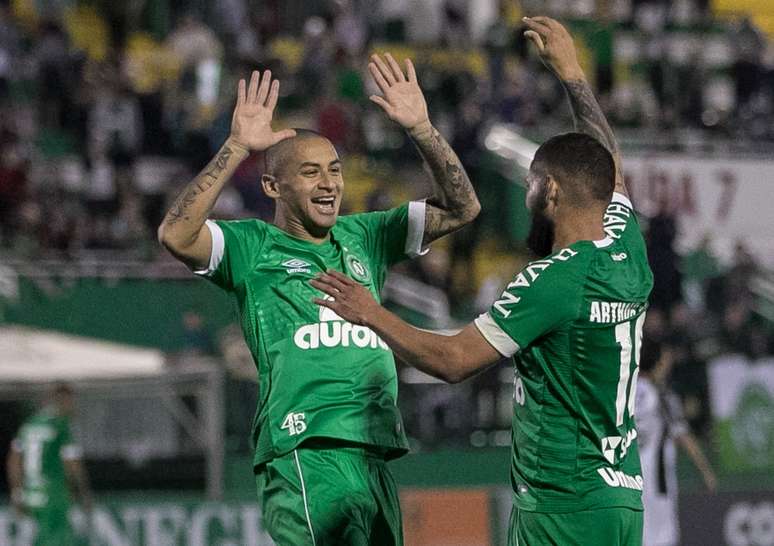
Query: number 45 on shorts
[(294, 423)]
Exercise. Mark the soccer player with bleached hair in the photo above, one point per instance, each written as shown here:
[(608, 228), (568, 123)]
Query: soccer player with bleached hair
[(572, 320), (327, 418)]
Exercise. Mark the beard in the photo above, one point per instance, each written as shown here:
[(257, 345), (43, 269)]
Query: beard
[(540, 240)]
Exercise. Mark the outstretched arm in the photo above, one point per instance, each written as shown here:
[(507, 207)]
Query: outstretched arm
[(455, 203), (182, 231), (557, 50), (450, 358)]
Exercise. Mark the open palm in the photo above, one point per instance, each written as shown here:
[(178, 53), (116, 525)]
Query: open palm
[(251, 122), (402, 98)]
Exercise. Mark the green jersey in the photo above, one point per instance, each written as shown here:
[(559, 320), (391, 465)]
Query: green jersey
[(575, 319), (319, 376), (44, 442)]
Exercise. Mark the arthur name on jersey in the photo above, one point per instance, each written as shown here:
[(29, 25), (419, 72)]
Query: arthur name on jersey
[(612, 312)]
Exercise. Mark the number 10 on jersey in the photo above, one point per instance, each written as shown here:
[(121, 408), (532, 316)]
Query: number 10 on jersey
[(625, 396)]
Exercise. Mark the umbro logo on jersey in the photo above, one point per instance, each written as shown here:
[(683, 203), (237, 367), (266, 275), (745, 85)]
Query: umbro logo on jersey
[(616, 478), (619, 257), (608, 447), (297, 266)]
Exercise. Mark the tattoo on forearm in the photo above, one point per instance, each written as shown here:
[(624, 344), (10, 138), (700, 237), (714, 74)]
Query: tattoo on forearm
[(200, 185), (455, 198), (589, 117), (219, 163)]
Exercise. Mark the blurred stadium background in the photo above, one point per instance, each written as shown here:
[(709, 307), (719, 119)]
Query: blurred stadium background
[(108, 108)]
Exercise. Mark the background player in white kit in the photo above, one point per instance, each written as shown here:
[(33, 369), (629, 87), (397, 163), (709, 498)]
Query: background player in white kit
[(661, 425)]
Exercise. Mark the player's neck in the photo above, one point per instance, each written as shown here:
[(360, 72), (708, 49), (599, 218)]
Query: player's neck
[(577, 225), (296, 228)]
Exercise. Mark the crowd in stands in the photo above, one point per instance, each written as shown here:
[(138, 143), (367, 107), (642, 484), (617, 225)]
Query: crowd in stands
[(108, 108)]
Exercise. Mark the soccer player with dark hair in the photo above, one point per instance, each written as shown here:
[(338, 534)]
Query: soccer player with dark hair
[(327, 418), (572, 320), (44, 468)]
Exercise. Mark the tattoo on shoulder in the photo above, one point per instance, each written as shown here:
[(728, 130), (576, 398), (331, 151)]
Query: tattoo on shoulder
[(201, 184)]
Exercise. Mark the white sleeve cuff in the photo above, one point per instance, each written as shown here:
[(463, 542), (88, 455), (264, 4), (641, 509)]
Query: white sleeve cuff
[(622, 200), (496, 336), (218, 248), (416, 229), (16, 445), (71, 452)]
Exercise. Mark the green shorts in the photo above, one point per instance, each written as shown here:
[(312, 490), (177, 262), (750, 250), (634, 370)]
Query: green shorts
[(53, 527), (341, 495), (604, 526)]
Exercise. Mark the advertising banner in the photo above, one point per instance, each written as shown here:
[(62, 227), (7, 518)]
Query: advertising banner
[(152, 524), (726, 199), (727, 519), (431, 517), (742, 405)]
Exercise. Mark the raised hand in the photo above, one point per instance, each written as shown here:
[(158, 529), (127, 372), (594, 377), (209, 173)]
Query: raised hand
[(351, 300), (251, 122), (555, 46), (402, 98)]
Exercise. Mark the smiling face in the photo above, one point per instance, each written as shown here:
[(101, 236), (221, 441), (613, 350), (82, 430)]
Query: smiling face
[(308, 187)]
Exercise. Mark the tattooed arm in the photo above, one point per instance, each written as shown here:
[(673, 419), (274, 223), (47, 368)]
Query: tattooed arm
[(455, 203), (557, 50), (182, 231)]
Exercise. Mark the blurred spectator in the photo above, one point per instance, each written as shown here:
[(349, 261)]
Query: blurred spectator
[(662, 232), (317, 58), (194, 42), (498, 42), (456, 33), (10, 49), (350, 32), (115, 119), (198, 339), (699, 267), (52, 55), (393, 15), (231, 20), (750, 45), (13, 188)]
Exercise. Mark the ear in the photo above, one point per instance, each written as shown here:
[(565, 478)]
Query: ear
[(270, 186), (552, 192)]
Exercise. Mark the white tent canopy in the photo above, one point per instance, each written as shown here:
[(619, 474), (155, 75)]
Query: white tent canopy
[(32, 359), (32, 355)]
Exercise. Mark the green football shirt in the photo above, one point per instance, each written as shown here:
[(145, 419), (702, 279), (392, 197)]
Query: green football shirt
[(574, 321), (319, 376), (44, 441)]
